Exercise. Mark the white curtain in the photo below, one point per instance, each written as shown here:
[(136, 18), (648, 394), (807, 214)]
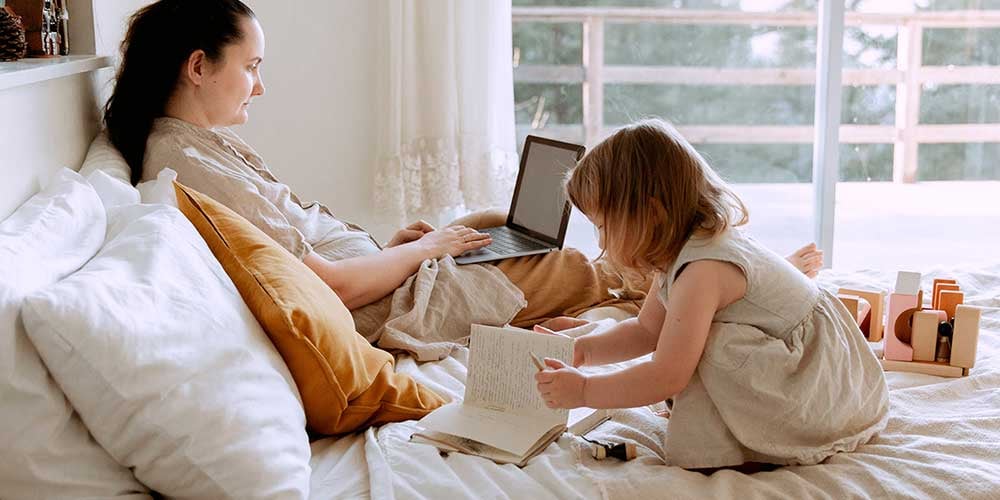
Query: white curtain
[(446, 123)]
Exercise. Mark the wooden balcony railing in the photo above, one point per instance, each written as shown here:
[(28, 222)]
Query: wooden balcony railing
[(909, 76)]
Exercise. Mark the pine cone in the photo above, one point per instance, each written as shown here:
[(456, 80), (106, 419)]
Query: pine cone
[(12, 42)]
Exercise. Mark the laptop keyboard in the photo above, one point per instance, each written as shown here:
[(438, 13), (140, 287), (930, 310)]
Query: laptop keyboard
[(506, 242)]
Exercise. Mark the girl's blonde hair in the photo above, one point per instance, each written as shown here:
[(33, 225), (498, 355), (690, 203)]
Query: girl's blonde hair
[(653, 191)]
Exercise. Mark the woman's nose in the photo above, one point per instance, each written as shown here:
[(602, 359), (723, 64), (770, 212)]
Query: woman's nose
[(258, 88)]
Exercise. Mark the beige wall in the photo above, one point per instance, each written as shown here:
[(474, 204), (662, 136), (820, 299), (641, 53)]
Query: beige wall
[(315, 125)]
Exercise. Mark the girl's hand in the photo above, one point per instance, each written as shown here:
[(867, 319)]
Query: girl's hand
[(561, 386), (454, 241), (579, 349), (413, 232)]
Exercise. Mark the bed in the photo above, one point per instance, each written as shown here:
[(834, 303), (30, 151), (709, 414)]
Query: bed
[(942, 439)]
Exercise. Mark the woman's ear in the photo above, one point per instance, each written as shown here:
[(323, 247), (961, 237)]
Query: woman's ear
[(195, 67)]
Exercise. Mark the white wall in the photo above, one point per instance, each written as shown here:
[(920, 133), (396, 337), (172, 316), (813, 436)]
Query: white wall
[(110, 18), (44, 126), (48, 125), (315, 125)]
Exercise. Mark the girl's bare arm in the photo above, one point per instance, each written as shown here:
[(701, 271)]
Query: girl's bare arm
[(629, 339), (703, 288)]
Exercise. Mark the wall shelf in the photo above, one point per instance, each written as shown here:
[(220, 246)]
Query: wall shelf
[(34, 70)]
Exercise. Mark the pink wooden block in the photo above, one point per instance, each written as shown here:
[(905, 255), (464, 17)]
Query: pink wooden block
[(896, 349)]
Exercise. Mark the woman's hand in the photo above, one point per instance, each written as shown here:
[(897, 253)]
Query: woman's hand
[(561, 386), (579, 348), (454, 241), (413, 232)]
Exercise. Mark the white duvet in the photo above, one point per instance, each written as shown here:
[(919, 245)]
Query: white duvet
[(942, 441)]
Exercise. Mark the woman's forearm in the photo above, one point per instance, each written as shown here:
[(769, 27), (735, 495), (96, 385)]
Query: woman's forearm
[(359, 281), (627, 340)]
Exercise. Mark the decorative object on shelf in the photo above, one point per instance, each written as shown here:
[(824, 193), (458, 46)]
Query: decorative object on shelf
[(50, 29), (13, 44), (62, 14)]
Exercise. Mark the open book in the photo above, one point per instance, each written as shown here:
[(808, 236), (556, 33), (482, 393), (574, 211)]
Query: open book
[(503, 417)]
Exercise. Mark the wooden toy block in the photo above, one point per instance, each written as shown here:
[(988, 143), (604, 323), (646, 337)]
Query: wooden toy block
[(851, 302), (907, 283), (934, 289), (858, 307), (897, 349), (948, 300), (936, 298), (925, 367), (924, 335), (872, 325), (965, 337), (903, 327), (943, 280)]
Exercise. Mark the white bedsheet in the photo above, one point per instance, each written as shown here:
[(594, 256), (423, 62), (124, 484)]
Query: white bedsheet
[(942, 441)]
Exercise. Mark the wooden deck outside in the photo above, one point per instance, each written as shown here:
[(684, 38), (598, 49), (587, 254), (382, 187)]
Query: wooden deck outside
[(909, 76)]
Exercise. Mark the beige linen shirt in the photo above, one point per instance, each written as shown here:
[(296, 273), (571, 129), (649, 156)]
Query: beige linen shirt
[(427, 315)]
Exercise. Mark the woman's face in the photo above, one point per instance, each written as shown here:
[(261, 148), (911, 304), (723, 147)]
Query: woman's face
[(231, 83)]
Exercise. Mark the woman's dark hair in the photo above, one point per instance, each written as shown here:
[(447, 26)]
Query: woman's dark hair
[(160, 39)]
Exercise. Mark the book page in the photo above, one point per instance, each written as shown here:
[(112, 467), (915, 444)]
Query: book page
[(502, 374), (516, 434), (583, 420)]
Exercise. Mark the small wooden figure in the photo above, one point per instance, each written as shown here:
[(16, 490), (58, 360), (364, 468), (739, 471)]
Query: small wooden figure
[(943, 354)]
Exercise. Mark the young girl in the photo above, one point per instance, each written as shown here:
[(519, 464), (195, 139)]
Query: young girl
[(762, 365)]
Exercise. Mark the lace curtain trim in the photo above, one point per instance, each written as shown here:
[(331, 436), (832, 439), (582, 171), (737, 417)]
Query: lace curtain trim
[(434, 180)]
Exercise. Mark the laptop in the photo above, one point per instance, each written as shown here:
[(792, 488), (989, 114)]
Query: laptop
[(539, 212)]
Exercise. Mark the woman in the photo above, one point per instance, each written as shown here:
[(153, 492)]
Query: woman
[(177, 90)]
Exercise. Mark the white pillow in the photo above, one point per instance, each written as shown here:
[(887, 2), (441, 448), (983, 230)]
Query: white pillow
[(102, 155), (167, 366), (46, 450), (113, 191), (161, 189)]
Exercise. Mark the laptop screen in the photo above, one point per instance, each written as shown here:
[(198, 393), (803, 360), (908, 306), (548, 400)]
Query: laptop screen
[(541, 198)]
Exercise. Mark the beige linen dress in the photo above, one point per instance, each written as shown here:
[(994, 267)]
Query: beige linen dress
[(786, 376)]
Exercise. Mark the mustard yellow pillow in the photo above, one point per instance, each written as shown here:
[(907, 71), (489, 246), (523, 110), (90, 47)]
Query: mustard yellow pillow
[(346, 384)]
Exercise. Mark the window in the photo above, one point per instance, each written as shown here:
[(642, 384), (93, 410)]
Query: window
[(918, 189), (737, 79), (920, 110)]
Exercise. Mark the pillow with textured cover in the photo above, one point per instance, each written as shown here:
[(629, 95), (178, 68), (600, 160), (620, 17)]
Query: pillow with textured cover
[(346, 384), (167, 367), (103, 156), (47, 451)]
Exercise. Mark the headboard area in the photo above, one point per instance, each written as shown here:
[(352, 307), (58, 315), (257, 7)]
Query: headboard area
[(44, 125), (50, 108)]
